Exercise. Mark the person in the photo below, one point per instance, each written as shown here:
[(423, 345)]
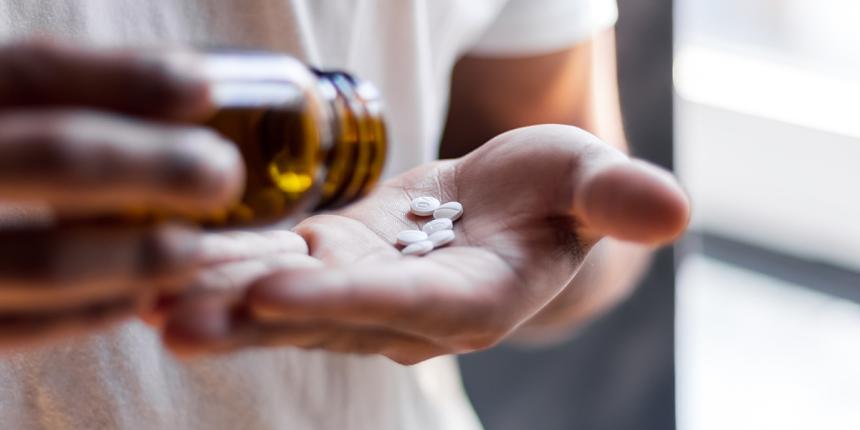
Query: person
[(339, 331)]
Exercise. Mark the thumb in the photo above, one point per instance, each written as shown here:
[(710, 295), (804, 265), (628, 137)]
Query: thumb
[(631, 200), (564, 170)]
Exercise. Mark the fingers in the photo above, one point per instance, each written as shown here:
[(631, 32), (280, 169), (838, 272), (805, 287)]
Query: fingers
[(56, 283), (208, 323), (422, 297), (226, 282), (45, 74), (220, 248), (48, 269), (426, 309), (211, 325), (96, 162), (235, 276), (378, 295), (633, 201), (27, 329)]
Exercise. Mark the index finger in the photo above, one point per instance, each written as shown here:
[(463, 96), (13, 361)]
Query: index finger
[(39, 73)]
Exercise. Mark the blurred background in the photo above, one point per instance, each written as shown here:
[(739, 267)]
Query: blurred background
[(768, 144), (753, 321)]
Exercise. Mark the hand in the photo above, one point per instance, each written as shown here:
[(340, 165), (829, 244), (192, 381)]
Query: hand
[(536, 201), (229, 261), (82, 133)]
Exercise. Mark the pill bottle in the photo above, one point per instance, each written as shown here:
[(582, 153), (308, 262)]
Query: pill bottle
[(311, 140)]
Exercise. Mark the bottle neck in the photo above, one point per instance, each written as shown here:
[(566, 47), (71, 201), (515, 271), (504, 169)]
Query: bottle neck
[(321, 133), (358, 149)]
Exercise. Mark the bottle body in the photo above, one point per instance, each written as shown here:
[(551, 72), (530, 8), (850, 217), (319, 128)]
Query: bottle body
[(311, 140)]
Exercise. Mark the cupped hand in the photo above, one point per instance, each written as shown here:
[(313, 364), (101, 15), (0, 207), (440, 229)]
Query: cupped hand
[(83, 133), (536, 201)]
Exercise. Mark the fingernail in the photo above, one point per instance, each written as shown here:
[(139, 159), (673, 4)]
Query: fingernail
[(191, 84), (186, 71), (220, 154), (171, 86), (207, 165), (185, 68)]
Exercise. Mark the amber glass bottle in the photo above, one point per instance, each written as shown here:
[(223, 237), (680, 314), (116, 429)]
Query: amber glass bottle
[(311, 140)]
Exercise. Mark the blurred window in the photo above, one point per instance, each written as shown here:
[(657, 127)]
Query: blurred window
[(768, 144)]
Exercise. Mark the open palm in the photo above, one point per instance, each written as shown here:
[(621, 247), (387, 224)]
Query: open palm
[(536, 200)]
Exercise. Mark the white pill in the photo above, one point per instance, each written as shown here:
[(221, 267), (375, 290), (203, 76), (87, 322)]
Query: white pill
[(408, 237), (438, 225), (450, 210), (418, 248), (442, 238), (424, 206)]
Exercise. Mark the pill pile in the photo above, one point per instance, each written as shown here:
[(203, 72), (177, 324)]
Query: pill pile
[(436, 233)]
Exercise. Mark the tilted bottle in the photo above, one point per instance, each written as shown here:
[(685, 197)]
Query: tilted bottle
[(311, 140)]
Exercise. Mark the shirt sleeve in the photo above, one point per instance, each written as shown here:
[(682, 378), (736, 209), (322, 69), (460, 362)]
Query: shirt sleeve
[(530, 27)]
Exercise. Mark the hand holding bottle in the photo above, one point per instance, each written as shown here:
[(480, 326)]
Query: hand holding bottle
[(84, 133)]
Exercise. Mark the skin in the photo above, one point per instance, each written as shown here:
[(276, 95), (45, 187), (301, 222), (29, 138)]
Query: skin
[(82, 133), (508, 262), (541, 203)]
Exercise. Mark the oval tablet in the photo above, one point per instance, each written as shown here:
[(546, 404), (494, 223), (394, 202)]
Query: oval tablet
[(438, 225), (418, 248), (450, 210), (424, 206), (408, 237), (442, 238)]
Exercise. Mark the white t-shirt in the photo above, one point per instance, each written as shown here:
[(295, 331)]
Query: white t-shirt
[(123, 378)]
